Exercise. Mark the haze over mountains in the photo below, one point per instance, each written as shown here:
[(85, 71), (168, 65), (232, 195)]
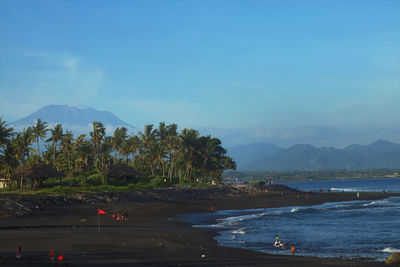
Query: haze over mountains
[(295, 148), (380, 154)]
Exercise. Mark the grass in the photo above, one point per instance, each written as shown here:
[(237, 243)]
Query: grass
[(90, 189)]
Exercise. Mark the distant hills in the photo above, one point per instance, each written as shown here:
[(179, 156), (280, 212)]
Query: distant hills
[(380, 154), (316, 135)]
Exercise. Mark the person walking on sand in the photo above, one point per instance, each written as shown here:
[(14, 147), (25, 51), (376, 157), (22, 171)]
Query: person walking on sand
[(293, 249), (18, 253), (52, 255)]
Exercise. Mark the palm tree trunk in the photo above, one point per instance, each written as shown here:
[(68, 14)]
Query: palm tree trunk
[(38, 149), (22, 175), (69, 164), (152, 169), (54, 154), (163, 168)]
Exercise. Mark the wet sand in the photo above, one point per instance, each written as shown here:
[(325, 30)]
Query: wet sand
[(155, 239)]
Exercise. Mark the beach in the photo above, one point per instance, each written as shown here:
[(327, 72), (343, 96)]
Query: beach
[(152, 236)]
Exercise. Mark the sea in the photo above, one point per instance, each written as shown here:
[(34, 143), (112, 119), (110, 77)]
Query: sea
[(351, 229)]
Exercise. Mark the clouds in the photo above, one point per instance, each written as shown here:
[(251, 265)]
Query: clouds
[(43, 78)]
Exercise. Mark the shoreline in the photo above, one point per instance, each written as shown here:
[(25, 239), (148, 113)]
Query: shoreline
[(168, 243)]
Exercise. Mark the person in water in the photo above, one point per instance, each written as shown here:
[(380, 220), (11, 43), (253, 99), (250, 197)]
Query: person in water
[(277, 241), (293, 249)]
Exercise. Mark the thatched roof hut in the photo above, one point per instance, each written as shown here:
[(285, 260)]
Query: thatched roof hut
[(35, 173), (40, 170), (123, 171)]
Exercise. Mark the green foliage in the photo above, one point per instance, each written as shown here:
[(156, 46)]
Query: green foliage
[(94, 179), (156, 153), (193, 184), (159, 181), (258, 184)]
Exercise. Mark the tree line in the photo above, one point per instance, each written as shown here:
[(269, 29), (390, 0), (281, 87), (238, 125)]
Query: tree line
[(162, 151)]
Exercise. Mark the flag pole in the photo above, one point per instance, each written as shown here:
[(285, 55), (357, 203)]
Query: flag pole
[(98, 219)]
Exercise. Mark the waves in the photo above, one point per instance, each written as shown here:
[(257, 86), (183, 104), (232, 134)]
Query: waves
[(287, 212), (390, 250), (390, 185), (346, 189), (368, 227)]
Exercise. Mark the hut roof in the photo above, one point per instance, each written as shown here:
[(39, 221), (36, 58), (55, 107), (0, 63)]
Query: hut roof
[(122, 170), (40, 170)]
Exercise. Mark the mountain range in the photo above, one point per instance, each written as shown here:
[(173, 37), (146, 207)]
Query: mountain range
[(379, 154), (296, 148)]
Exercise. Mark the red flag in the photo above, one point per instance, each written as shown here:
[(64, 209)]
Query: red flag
[(102, 211)]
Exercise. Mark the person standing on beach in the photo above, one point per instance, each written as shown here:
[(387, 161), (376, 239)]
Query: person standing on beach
[(293, 249), (52, 255), (18, 253)]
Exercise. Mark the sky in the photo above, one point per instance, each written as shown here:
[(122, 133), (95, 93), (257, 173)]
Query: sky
[(226, 64)]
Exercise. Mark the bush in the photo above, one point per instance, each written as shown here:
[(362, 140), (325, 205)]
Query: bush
[(259, 184), (94, 179), (160, 181)]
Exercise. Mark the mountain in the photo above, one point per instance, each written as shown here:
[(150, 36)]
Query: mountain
[(316, 135), (245, 154), (71, 115), (380, 154)]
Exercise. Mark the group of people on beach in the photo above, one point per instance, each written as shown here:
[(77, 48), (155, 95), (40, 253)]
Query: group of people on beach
[(60, 258), (120, 216)]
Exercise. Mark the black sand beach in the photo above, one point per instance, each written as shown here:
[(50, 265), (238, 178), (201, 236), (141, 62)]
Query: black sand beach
[(155, 239)]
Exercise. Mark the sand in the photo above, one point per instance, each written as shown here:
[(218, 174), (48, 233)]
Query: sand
[(156, 239)]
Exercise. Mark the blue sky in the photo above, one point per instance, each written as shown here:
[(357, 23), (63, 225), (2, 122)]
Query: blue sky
[(228, 64)]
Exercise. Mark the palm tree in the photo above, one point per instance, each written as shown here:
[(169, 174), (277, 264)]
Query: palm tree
[(162, 152), (117, 140), (66, 146), (189, 150), (39, 132), (211, 153), (172, 147), (23, 142), (56, 135), (129, 147), (148, 137), (105, 158), (134, 147), (10, 160), (97, 136), (5, 134), (83, 150)]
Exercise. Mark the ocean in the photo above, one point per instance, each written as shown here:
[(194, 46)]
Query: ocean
[(351, 229)]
